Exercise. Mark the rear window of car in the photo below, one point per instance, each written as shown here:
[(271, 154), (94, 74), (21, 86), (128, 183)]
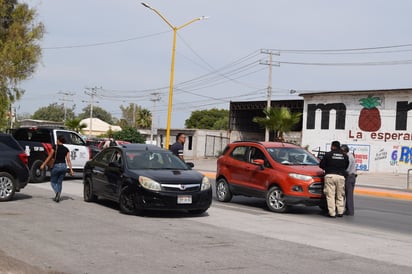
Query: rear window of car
[(33, 134), (7, 141)]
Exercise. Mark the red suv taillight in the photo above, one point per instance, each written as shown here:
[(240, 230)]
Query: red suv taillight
[(24, 158)]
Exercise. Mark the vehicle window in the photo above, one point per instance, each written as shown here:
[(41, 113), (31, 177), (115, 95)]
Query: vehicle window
[(117, 157), (9, 141), (239, 153), (33, 134), (153, 160), (292, 156), (71, 138), (256, 153), (77, 140), (104, 157)]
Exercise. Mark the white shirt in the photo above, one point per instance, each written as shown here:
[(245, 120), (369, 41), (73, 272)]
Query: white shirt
[(352, 165)]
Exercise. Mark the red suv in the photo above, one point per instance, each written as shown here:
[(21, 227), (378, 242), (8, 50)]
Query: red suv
[(284, 174)]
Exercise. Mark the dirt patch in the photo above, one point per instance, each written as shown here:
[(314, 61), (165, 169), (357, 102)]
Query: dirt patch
[(9, 265)]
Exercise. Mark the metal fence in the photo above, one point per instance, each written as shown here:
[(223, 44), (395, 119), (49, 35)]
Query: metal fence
[(214, 145)]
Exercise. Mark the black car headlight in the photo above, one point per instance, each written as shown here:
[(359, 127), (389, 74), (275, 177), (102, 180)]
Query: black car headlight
[(205, 183), (149, 184)]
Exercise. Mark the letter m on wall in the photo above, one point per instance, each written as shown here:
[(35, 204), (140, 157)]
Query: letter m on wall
[(340, 109)]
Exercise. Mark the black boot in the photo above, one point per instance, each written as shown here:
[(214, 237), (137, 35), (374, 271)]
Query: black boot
[(57, 197)]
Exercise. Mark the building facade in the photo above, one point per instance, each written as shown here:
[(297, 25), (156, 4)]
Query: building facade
[(375, 124)]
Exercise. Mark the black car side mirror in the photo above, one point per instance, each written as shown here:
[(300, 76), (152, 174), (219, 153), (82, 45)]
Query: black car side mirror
[(190, 164)]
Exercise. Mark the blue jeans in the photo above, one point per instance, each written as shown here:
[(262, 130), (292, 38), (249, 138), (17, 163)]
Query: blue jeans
[(57, 175)]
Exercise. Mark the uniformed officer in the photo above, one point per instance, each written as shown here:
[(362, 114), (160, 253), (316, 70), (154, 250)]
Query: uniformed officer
[(335, 163)]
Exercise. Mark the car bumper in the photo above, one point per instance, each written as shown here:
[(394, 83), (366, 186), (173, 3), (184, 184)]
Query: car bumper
[(308, 201), (169, 200)]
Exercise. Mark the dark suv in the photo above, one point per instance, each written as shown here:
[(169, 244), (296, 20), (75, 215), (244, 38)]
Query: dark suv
[(14, 174), (284, 174)]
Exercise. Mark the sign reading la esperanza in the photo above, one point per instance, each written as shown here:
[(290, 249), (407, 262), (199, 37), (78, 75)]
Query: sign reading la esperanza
[(377, 127), (369, 120)]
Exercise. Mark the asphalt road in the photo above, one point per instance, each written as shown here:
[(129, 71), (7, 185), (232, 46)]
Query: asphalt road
[(237, 237)]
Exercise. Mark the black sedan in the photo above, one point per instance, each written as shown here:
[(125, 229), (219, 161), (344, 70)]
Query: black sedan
[(140, 176)]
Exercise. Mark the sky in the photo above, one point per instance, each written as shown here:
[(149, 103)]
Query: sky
[(124, 50)]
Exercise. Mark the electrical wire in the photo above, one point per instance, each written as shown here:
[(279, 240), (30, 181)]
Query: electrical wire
[(106, 42)]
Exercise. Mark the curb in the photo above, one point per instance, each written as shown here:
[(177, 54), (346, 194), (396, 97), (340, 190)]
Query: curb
[(383, 193), (364, 191)]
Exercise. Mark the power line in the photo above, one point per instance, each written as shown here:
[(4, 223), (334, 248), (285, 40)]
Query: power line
[(106, 42)]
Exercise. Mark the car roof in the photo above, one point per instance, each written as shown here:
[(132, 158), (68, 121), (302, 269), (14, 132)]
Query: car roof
[(267, 144), (132, 146)]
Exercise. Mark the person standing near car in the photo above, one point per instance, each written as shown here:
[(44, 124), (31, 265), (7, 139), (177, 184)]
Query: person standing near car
[(61, 155), (335, 163), (177, 147), (350, 181)]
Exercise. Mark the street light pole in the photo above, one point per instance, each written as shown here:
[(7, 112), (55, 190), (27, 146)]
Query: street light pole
[(172, 67)]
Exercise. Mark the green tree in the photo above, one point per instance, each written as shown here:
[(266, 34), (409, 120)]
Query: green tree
[(278, 119), (53, 112), (129, 134), (209, 119), (98, 112), (136, 116), (75, 125), (19, 50)]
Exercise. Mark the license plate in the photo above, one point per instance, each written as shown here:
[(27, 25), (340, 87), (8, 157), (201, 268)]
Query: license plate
[(184, 199)]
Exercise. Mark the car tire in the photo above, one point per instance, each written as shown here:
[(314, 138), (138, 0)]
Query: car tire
[(275, 200), (223, 192), (128, 202), (7, 186), (37, 175), (88, 194), (198, 211)]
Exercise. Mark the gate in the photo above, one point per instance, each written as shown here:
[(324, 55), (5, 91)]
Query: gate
[(214, 145)]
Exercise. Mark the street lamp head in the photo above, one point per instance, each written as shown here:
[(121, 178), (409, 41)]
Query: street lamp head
[(146, 5), (204, 17)]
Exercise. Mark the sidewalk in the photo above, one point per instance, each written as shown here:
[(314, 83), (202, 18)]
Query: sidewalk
[(369, 184)]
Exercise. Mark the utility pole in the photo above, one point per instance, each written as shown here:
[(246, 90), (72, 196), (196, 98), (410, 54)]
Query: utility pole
[(269, 92), (92, 92), (65, 99), (154, 99)]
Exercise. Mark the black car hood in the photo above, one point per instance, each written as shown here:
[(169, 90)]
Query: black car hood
[(176, 176)]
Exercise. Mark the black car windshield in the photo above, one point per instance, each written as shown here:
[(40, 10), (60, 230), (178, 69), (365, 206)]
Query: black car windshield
[(292, 156), (146, 159)]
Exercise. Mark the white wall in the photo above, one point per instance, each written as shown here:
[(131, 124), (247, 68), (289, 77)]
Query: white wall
[(386, 149)]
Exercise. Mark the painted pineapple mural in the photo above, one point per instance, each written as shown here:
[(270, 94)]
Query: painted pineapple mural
[(370, 117)]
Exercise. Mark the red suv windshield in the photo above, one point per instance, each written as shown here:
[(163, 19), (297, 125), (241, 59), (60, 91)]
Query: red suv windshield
[(292, 156)]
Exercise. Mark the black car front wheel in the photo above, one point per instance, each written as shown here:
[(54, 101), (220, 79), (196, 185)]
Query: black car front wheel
[(88, 194), (7, 186), (128, 202)]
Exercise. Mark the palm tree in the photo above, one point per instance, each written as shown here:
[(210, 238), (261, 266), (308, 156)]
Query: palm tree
[(144, 118), (278, 119), (75, 125)]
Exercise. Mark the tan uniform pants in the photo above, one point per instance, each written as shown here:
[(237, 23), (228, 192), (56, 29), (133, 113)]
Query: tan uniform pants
[(335, 193)]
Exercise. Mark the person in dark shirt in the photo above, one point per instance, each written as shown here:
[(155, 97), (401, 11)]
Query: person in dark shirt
[(335, 163), (61, 155), (177, 147)]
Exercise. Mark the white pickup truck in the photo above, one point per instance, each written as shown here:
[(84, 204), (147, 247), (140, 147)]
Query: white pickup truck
[(38, 142)]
